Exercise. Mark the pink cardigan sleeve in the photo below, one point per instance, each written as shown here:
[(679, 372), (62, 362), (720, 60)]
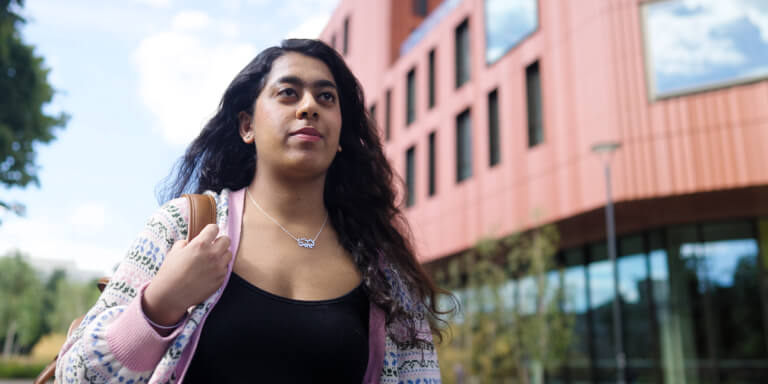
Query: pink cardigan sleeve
[(115, 343), (134, 341)]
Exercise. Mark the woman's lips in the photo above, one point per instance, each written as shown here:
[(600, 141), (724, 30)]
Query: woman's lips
[(304, 136), (308, 134)]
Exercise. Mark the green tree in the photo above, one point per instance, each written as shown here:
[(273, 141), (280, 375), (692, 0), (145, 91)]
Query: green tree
[(71, 299), (49, 299), (25, 90), (21, 303), (511, 327)]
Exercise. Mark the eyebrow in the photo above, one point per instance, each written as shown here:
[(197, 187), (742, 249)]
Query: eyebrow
[(295, 80)]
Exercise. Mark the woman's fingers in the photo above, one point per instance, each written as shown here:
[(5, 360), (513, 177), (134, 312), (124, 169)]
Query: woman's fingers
[(207, 235), (179, 245), (221, 244)]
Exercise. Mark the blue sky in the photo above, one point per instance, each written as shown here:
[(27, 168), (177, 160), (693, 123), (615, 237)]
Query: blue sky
[(139, 78)]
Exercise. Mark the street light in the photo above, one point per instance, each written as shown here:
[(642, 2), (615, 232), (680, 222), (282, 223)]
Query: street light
[(605, 150)]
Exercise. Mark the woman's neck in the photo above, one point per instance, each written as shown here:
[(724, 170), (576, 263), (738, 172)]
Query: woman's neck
[(290, 201)]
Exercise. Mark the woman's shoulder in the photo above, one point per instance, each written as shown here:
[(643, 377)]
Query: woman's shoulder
[(174, 213), (180, 204)]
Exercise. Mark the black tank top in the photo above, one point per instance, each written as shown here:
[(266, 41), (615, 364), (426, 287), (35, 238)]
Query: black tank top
[(252, 335)]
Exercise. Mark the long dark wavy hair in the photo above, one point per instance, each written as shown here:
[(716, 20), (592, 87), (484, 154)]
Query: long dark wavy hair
[(359, 187)]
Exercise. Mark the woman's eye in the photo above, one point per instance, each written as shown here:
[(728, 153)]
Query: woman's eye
[(327, 96), (287, 92)]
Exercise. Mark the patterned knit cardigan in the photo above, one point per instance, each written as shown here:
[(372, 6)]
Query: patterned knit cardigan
[(116, 344)]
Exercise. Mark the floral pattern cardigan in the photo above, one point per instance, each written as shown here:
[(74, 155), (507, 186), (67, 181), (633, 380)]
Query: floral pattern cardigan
[(116, 344)]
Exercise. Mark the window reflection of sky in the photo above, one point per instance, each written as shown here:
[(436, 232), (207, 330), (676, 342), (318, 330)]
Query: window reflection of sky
[(632, 273), (719, 259), (575, 290), (701, 43), (507, 22), (600, 283)]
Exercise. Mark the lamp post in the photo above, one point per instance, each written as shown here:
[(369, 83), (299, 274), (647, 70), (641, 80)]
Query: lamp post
[(606, 150)]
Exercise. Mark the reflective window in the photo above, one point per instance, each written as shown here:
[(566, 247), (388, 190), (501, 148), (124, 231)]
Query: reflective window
[(388, 115), (420, 8), (735, 329), (431, 165), (637, 316), (507, 22), (494, 153), (463, 146), (716, 315), (462, 53), (372, 112), (533, 103), (578, 366), (345, 44), (601, 305), (410, 178), (410, 97), (694, 45), (431, 80), (692, 305)]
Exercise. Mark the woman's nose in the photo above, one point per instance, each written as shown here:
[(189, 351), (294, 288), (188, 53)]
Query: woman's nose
[(307, 108)]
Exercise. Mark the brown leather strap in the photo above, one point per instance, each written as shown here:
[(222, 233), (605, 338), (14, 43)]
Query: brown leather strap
[(50, 369), (102, 283), (202, 211), (47, 373)]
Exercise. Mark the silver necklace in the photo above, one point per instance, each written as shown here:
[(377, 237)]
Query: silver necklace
[(301, 241)]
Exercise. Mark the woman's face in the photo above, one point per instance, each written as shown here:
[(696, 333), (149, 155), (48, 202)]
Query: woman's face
[(296, 120)]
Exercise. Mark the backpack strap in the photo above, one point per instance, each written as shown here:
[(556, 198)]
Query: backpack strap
[(202, 211)]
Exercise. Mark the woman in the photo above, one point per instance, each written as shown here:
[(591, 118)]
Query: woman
[(309, 275)]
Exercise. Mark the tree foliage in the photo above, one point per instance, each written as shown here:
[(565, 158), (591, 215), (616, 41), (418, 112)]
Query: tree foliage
[(24, 91), (512, 327), (30, 309), (21, 301)]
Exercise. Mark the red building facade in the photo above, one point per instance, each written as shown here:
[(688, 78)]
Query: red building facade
[(489, 110)]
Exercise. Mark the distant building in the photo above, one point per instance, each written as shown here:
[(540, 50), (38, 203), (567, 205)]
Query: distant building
[(489, 109), (46, 267)]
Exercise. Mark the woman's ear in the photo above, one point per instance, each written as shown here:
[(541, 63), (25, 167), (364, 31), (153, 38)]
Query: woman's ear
[(244, 124)]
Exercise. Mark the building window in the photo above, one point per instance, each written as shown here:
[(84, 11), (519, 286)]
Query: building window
[(372, 112), (432, 185), (420, 8), (463, 146), (493, 128), (410, 177), (432, 78), (462, 53), (507, 23), (533, 93), (727, 48), (410, 97), (689, 295), (387, 114), (333, 41), (345, 46)]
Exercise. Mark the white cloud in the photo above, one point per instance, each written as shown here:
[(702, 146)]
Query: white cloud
[(155, 3), (311, 28), (190, 20), (184, 71), (687, 45), (89, 217), (43, 239), (185, 68)]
